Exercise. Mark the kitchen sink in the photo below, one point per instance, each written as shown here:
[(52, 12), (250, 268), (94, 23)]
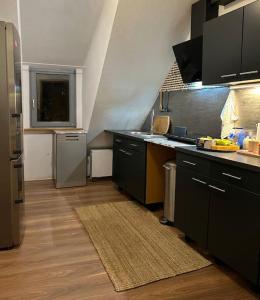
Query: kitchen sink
[(145, 134)]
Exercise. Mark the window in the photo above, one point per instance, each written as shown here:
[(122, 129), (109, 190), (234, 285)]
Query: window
[(53, 98)]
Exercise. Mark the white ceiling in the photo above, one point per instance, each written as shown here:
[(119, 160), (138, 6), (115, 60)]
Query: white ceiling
[(58, 31)]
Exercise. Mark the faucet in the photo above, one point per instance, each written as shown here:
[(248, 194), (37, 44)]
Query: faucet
[(152, 120)]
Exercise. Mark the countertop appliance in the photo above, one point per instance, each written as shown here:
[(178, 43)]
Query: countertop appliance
[(11, 154), (70, 158), (180, 134), (189, 54)]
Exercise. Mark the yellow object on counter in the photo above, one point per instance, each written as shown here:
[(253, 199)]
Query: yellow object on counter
[(226, 148)]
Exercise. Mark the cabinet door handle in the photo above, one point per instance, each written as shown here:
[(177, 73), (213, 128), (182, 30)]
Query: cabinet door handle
[(126, 152), (217, 189), (232, 176), (118, 141), (121, 150), (189, 163), (228, 75), (133, 145), (249, 72), (199, 181)]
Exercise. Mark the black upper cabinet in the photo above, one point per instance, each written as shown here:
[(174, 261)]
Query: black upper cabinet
[(222, 43), (230, 46), (250, 68)]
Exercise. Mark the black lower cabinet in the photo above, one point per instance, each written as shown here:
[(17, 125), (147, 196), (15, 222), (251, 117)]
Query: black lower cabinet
[(222, 216), (119, 167), (192, 205), (234, 231), (136, 178), (129, 167)]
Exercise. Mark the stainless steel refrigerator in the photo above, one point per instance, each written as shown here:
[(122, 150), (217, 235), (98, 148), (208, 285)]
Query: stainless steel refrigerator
[(11, 142)]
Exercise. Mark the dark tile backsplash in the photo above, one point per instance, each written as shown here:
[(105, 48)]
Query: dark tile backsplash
[(199, 110)]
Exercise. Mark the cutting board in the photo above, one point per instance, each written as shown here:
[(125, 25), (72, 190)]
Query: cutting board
[(161, 124), (246, 152)]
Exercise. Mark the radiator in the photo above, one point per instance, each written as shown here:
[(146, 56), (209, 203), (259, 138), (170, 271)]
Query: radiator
[(101, 161)]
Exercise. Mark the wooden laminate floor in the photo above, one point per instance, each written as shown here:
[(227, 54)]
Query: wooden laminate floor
[(58, 261)]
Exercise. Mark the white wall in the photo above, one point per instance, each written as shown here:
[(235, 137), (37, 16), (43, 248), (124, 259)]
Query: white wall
[(38, 147), (55, 33), (138, 59), (8, 11), (95, 58)]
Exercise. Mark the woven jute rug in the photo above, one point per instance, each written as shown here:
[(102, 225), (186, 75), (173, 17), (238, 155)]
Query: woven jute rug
[(134, 247)]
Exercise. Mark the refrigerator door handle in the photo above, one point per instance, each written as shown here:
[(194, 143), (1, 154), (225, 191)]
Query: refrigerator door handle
[(17, 152), (18, 166), (33, 103), (16, 115), (19, 201)]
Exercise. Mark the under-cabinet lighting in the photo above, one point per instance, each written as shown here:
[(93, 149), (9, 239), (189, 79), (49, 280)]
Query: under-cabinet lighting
[(254, 87), (198, 86)]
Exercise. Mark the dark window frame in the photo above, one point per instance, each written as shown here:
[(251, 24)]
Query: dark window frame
[(33, 98)]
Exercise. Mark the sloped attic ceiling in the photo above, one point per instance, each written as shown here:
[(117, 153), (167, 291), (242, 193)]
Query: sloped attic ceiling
[(58, 31), (138, 59)]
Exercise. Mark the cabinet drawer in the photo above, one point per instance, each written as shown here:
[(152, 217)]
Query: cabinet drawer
[(193, 163), (119, 140), (236, 176), (135, 145)]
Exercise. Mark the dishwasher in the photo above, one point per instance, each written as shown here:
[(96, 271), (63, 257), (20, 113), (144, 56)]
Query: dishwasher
[(69, 158)]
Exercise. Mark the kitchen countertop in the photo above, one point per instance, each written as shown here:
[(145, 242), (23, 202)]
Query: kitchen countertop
[(128, 133), (161, 140), (166, 143), (232, 158)]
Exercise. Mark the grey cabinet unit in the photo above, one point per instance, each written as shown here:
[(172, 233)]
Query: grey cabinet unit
[(70, 149)]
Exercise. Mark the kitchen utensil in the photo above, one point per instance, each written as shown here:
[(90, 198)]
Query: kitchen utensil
[(253, 146), (161, 124), (164, 101), (230, 148), (246, 152), (161, 100)]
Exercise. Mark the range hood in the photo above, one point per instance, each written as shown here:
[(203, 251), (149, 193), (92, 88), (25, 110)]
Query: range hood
[(189, 54)]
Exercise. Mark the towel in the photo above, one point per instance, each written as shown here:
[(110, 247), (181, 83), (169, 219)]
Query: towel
[(229, 115)]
